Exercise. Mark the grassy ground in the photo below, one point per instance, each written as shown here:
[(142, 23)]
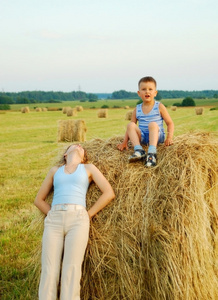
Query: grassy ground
[(28, 148)]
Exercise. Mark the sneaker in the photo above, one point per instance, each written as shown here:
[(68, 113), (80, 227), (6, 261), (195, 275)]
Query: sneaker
[(137, 155), (151, 160)]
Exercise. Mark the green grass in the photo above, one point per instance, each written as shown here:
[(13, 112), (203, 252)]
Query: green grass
[(28, 148)]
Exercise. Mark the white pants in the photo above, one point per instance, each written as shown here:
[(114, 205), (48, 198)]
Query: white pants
[(65, 237)]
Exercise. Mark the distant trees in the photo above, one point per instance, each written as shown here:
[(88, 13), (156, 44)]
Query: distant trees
[(188, 101)]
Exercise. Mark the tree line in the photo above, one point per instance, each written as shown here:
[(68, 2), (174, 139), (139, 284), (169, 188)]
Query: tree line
[(27, 97)]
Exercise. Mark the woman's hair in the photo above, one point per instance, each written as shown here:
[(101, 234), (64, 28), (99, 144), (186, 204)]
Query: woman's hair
[(62, 161)]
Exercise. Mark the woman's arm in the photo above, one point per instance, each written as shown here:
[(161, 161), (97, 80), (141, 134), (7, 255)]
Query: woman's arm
[(43, 192), (105, 187), (170, 125)]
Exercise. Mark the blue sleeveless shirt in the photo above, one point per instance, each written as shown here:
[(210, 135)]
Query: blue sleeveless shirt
[(70, 188), (153, 116)]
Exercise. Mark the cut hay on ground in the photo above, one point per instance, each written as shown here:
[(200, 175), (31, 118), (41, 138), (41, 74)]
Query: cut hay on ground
[(199, 110), (158, 239), (103, 113), (173, 108), (72, 112), (25, 110), (71, 130), (128, 115)]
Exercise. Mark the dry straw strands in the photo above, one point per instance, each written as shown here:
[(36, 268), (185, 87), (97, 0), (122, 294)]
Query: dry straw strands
[(158, 239), (128, 115), (103, 113), (71, 130), (25, 110), (173, 108), (199, 110)]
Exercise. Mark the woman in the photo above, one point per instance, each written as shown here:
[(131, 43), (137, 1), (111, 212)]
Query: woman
[(66, 226)]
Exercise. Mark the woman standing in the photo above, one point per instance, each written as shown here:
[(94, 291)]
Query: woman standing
[(66, 226)]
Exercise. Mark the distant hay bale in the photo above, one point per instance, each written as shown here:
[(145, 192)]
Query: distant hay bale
[(199, 110), (38, 109), (128, 115), (71, 130), (173, 108), (25, 109), (126, 107), (103, 113), (44, 109), (65, 109), (72, 112), (79, 108), (158, 239)]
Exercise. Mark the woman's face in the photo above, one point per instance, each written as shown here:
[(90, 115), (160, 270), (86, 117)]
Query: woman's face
[(77, 148)]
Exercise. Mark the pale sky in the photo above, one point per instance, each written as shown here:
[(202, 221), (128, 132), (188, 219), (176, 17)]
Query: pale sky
[(102, 46)]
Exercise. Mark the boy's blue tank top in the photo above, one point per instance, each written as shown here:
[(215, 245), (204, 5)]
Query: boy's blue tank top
[(153, 116), (70, 188)]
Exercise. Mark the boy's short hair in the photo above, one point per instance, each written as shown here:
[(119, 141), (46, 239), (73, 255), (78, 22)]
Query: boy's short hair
[(147, 79)]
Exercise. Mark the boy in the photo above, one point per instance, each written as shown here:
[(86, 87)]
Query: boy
[(150, 114)]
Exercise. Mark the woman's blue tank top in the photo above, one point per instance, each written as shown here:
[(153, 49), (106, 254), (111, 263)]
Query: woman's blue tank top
[(70, 188)]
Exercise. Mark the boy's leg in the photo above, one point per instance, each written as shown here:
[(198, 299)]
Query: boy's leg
[(153, 141), (134, 134)]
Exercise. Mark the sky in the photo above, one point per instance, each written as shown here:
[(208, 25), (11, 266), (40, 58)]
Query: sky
[(99, 46)]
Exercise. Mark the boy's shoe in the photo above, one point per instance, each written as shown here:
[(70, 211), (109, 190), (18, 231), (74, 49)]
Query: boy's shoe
[(151, 160), (137, 155)]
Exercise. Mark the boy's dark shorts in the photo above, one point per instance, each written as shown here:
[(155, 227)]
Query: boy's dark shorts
[(145, 138)]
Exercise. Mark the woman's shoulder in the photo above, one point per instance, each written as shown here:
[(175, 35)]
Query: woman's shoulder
[(53, 170)]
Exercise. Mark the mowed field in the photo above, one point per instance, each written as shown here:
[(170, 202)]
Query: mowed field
[(29, 147)]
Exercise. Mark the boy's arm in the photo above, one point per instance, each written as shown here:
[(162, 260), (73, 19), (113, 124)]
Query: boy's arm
[(124, 144), (170, 125)]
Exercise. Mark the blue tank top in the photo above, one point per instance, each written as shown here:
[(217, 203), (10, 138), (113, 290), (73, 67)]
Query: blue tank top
[(70, 188), (153, 116)]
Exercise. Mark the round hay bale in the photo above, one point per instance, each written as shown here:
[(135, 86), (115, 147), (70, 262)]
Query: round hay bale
[(38, 109), (44, 109), (128, 115), (126, 107), (65, 109), (173, 108), (72, 112), (199, 110), (103, 113), (71, 130), (159, 238), (79, 108), (25, 109)]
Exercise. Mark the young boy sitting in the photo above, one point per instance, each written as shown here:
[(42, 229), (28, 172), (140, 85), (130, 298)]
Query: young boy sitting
[(150, 115)]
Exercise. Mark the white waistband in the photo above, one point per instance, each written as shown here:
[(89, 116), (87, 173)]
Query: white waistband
[(67, 207)]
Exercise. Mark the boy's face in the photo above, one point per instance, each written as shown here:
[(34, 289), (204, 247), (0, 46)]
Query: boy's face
[(147, 91)]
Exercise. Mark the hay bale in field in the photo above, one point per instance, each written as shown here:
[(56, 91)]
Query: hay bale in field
[(38, 109), (173, 108), (44, 109), (128, 115), (71, 130), (79, 108), (25, 109), (126, 107), (199, 110), (65, 109), (72, 112), (103, 113), (159, 238)]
